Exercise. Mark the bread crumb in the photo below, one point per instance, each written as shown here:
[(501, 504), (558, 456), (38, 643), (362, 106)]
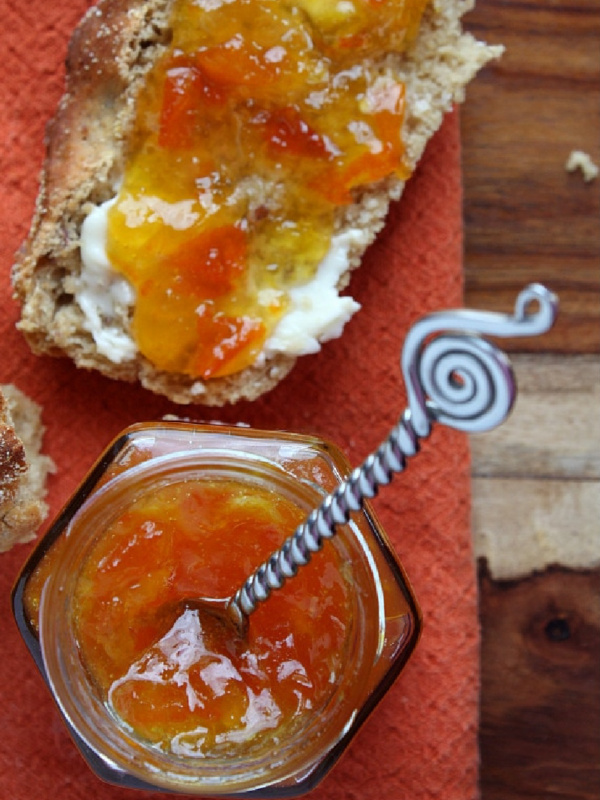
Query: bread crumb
[(580, 160)]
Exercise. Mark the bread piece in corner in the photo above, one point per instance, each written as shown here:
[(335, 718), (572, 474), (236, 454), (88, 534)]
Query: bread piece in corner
[(23, 468), (74, 301)]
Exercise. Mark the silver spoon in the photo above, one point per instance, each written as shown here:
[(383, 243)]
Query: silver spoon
[(452, 376)]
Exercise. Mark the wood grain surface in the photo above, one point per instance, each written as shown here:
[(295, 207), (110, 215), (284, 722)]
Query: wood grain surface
[(540, 736), (536, 481), (536, 529), (536, 478), (526, 217)]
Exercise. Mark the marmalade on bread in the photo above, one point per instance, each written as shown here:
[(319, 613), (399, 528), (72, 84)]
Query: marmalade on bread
[(260, 120)]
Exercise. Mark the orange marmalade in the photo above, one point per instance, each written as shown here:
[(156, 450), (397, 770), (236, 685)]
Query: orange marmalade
[(170, 673), (261, 119)]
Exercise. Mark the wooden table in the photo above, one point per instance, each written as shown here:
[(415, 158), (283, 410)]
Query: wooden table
[(536, 481)]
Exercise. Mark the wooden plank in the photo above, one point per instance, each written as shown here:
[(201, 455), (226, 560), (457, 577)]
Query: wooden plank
[(554, 429), (536, 478), (526, 218), (540, 715), (521, 526)]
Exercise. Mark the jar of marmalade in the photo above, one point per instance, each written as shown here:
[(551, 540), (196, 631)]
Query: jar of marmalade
[(155, 695)]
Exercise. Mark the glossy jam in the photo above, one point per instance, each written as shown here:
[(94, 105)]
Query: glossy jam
[(262, 118), (170, 672)]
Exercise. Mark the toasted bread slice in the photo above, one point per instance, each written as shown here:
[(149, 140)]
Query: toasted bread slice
[(110, 54)]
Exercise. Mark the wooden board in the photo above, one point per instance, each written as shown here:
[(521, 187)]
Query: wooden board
[(536, 528), (536, 481), (536, 525)]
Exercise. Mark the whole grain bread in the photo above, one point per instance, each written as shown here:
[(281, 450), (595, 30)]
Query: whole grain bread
[(23, 468), (109, 55)]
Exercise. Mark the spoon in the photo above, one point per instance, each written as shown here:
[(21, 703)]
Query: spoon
[(452, 376)]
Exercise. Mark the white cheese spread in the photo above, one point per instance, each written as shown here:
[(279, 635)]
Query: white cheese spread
[(102, 294)]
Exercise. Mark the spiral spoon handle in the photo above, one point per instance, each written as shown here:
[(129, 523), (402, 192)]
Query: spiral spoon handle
[(452, 376)]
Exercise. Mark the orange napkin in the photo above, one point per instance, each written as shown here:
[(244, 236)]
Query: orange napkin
[(421, 742)]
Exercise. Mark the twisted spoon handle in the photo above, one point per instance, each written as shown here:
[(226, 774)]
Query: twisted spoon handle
[(452, 376)]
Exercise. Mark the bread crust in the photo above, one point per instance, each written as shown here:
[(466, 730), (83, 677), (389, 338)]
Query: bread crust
[(110, 52), (23, 469)]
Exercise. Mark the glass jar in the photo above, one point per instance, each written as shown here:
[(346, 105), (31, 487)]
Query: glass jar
[(381, 617)]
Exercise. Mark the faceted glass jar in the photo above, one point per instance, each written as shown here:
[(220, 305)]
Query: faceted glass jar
[(383, 616)]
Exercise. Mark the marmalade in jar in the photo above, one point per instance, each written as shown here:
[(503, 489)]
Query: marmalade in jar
[(171, 673), (258, 123)]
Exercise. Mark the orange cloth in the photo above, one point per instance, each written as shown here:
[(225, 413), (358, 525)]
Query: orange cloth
[(421, 742)]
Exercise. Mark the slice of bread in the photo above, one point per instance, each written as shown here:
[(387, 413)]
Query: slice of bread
[(23, 468), (109, 56)]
